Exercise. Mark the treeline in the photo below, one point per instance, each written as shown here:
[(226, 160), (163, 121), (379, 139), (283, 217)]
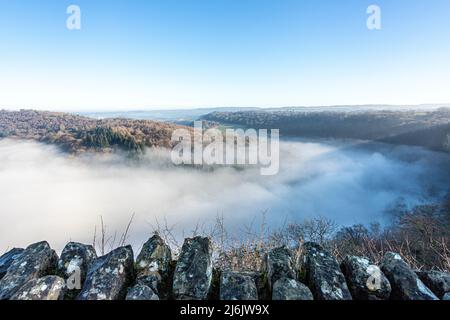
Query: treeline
[(102, 138), (429, 129), (77, 134)]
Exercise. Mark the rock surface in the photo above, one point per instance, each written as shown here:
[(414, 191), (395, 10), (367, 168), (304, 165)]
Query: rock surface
[(280, 264), (238, 286), (153, 264), (405, 284), (154, 282), (109, 276), (36, 273), (46, 288), (438, 282), (75, 261), (365, 280), (141, 292), (193, 272), (322, 274), (262, 284), (7, 259), (290, 289), (36, 261)]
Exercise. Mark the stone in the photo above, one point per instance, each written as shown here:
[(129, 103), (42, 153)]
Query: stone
[(446, 297), (36, 261), (153, 281), (262, 284), (46, 288), (290, 289), (7, 259), (438, 282), (141, 292), (109, 276), (214, 291), (238, 286), (405, 283), (193, 272), (280, 264), (75, 261), (366, 281), (322, 274), (153, 264)]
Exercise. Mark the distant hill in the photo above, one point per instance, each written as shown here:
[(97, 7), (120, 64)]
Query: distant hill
[(181, 116), (178, 116), (420, 127), (77, 134)]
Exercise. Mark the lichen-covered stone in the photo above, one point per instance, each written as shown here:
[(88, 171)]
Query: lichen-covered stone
[(322, 274), (153, 281), (153, 264), (155, 256), (46, 288), (109, 276), (405, 283), (290, 289), (141, 292), (75, 261), (262, 284), (438, 282), (238, 286), (280, 264), (36, 261), (193, 272), (365, 280), (7, 259)]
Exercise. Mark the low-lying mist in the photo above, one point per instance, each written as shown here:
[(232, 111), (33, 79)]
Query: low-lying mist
[(48, 195)]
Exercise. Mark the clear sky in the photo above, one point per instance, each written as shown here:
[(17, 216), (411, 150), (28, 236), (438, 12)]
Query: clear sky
[(147, 54)]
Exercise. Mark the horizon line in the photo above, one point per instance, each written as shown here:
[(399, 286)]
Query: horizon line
[(159, 109)]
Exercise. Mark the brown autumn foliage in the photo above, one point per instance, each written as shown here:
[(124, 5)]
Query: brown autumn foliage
[(77, 134)]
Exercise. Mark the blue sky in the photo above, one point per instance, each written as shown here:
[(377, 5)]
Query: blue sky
[(147, 54)]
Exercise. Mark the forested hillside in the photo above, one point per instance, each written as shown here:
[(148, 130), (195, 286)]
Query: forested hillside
[(77, 134), (429, 129)]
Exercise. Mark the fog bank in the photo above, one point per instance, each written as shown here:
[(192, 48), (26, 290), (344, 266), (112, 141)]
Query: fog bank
[(46, 194)]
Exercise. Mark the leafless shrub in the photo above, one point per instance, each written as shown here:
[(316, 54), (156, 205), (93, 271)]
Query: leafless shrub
[(244, 250), (167, 233), (319, 230), (124, 236), (108, 243), (421, 236)]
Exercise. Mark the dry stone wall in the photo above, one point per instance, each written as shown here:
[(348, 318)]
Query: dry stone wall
[(37, 273)]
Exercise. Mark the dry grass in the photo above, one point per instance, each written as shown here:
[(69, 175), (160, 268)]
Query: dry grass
[(420, 236)]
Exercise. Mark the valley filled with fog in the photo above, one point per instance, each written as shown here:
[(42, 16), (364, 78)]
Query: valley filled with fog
[(49, 195)]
